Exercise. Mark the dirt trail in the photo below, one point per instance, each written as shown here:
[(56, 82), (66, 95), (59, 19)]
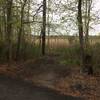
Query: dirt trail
[(13, 89)]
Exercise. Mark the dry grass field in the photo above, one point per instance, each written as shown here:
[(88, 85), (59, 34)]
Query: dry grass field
[(63, 41)]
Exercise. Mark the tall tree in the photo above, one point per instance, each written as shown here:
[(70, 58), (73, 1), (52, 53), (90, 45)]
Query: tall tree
[(88, 4), (86, 58), (20, 29), (48, 22), (44, 27), (80, 27), (9, 30)]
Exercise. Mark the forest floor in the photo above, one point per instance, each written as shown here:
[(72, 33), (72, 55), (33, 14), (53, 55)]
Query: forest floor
[(16, 89), (48, 72)]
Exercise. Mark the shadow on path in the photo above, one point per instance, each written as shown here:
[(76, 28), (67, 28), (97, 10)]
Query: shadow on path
[(13, 89)]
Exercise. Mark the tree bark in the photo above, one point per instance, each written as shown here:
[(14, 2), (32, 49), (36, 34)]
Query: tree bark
[(9, 30), (80, 27), (48, 19), (88, 5), (44, 27), (20, 31)]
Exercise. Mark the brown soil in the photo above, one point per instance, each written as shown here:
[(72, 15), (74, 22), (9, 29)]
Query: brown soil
[(48, 72)]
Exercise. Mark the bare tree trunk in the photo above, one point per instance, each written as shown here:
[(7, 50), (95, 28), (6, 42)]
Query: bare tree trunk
[(1, 28), (86, 58), (9, 30), (88, 3), (4, 23), (48, 24), (20, 31), (80, 27), (44, 27)]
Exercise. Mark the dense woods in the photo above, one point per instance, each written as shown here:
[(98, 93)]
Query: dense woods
[(58, 33), (25, 21)]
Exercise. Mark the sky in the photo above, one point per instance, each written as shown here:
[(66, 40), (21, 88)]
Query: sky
[(96, 7), (96, 27)]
